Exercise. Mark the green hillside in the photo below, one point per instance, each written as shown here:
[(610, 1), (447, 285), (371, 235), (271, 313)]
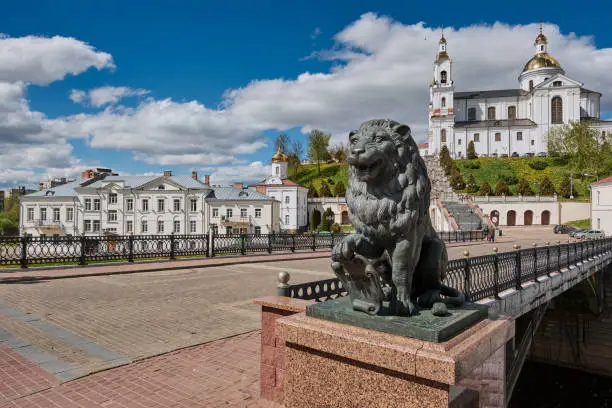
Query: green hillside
[(491, 169)]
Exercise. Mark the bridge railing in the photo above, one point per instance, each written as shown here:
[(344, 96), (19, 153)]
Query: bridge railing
[(482, 276)]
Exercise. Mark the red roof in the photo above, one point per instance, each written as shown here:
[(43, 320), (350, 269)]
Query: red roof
[(606, 180), (423, 145), (286, 182)]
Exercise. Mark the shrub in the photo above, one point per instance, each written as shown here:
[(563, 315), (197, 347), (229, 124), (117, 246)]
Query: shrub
[(523, 188), (336, 227), (472, 187), (315, 219), (564, 189), (501, 188), (312, 191), (445, 160), (471, 151), (509, 178), (327, 220), (538, 164), (324, 191), (471, 164), (547, 188), (485, 189), (339, 189), (456, 180), (330, 181)]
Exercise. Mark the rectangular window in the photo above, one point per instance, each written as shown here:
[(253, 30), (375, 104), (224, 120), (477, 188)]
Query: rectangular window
[(498, 137), (69, 214), (160, 205), (511, 112), (112, 215), (459, 142), (96, 204), (519, 136), (286, 199), (215, 228), (228, 230), (56, 214), (215, 212), (144, 227), (160, 227), (145, 205), (177, 227), (192, 226), (177, 205), (257, 230), (491, 113), (476, 137), (229, 213), (30, 214), (88, 204), (112, 198), (471, 114), (533, 142), (129, 226), (286, 219), (194, 205), (96, 226), (243, 212), (87, 225), (43, 214), (130, 204), (258, 213)]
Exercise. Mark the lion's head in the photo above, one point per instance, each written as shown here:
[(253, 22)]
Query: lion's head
[(388, 181)]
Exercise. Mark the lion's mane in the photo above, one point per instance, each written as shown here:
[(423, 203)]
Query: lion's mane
[(401, 204)]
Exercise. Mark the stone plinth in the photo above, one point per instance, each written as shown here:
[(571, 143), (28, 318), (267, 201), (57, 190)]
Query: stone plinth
[(336, 365)]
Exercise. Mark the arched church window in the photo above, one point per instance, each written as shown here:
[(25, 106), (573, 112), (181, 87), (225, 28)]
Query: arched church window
[(491, 113), (531, 85), (471, 113), (511, 112), (443, 102), (556, 107), (277, 171), (443, 136), (443, 77)]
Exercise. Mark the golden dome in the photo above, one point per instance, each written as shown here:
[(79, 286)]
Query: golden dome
[(279, 157), (442, 40), (542, 60), (541, 38), (442, 56)]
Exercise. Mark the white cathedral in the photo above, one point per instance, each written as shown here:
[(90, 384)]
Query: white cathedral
[(507, 122)]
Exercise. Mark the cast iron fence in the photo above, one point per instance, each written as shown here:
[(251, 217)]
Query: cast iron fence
[(481, 276), (83, 250)]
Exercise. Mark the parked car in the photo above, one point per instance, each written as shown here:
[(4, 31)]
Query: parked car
[(504, 155), (515, 154), (542, 154), (592, 234), (493, 154), (576, 231)]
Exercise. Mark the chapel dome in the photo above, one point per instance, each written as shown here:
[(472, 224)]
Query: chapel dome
[(541, 60), (279, 157)]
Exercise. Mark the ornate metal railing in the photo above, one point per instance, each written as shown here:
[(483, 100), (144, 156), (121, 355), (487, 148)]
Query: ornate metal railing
[(481, 276), (462, 236), (242, 244)]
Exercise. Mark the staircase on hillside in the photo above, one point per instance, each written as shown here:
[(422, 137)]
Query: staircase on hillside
[(465, 217), (440, 186)]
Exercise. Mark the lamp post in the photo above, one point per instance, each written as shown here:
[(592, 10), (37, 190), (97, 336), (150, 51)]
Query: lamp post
[(592, 175), (571, 187)]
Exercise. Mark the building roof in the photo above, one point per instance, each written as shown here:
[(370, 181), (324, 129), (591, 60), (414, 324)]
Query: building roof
[(504, 123), (137, 181), (236, 194), (602, 181), (498, 93), (423, 145), (65, 190), (285, 183), (542, 60)]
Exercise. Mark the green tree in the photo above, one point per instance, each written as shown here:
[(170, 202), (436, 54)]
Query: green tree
[(457, 181), (523, 188), (339, 189), (318, 145), (485, 189), (472, 187), (312, 191), (471, 151), (335, 228), (327, 220), (282, 143), (501, 188), (315, 219), (586, 150), (547, 188), (564, 189), (8, 225), (445, 159), (324, 191), (294, 157)]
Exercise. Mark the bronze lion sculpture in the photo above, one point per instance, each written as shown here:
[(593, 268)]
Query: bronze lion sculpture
[(395, 260)]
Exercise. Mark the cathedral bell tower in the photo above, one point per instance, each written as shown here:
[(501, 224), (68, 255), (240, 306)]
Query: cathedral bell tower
[(441, 113)]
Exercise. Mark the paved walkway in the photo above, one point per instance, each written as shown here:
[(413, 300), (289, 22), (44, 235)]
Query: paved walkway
[(224, 373)]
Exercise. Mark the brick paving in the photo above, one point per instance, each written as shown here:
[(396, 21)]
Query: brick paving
[(224, 373)]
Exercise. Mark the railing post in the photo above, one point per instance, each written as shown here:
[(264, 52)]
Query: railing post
[(269, 243), (212, 245), (282, 289), (548, 259), (24, 251), (332, 241), (131, 247), (568, 254), (517, 268), (559, 255), (172, 245), (468, 276), (496, 276), (314, 242), (82, 257), (535, 261), (292, 242), (242, 244)]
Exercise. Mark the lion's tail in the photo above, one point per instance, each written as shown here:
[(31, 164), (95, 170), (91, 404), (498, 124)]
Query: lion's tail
[(454, 297)]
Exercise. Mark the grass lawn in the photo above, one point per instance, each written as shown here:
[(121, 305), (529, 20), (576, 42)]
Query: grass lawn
[(586, 223), (332, 173)]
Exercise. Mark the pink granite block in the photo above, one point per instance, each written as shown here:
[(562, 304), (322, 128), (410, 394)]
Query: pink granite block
[(267, 376), (267, 355)]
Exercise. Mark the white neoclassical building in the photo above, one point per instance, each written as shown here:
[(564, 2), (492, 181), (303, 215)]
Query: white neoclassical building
[(146, 205), (293, 197), (508, 121), (601, 205)]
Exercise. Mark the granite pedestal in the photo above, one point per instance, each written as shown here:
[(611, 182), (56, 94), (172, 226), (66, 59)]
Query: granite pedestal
[(329, 364)]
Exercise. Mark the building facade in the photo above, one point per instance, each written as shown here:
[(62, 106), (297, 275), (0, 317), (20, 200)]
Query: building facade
[(601, 205), (293, 197), (508, 121), (143, 205)]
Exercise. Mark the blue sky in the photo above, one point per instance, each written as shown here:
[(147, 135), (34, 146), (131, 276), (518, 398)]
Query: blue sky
[(182, 59)]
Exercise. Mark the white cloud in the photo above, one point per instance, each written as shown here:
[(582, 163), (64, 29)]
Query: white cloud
[(105, 95), (315, 33), (248, 174)]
